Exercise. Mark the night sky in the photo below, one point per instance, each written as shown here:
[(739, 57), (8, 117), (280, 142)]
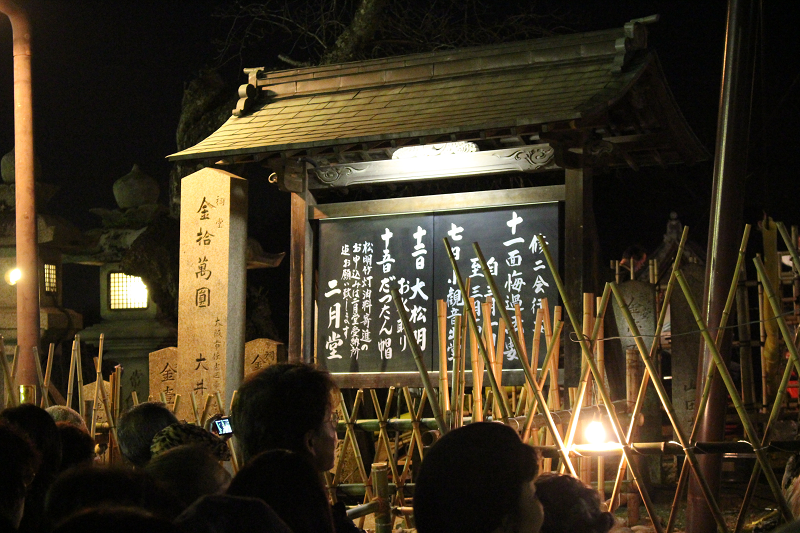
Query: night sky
[(109, 76)]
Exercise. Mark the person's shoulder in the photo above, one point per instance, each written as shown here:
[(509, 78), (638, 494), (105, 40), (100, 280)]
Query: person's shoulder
[(341, 522)]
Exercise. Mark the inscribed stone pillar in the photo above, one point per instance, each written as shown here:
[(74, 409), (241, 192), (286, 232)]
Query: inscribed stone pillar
[(163, 375), (211, 299)]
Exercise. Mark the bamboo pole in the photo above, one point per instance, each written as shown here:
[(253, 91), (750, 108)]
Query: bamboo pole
[(79, 376), (47, 373), (737, 401), (70, 379), (474, 325), (457, 340), (542, 403), (194, 407), (599, 347), (206, 409), (477, 373), (646, 377), (793, 363), (488, 340), (39, 374), (104, 397), (551, 350), (134, 398), (415, 351), (15, 364), (117, 390), (588, 312), (683, 478), (763, 338), (606, 400), (383, 517), (8, 379), (667, 404), (163, 397), (176, 405), (441, 315)]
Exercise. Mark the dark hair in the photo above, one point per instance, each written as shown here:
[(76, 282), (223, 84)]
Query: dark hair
[(275, 407), (20, 462), (471, 480), (290, 484), (136, 428), (116, 519), (86, 487), (76, 444), (188, 472), (222, 513), (62, 413), (570, 505), (41, 429)]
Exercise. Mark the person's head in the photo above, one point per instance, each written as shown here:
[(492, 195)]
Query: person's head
[(136, 428), (62, 413), (290, 484), (20, 463), (87, 487), (570, 505), (188, 472), (223, 513), (181, 434), (478, 479), (76, 444), (287, 406), (116, 519), (41, 429)]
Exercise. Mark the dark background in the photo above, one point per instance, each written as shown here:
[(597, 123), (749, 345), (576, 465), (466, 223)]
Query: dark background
[(109, 76)]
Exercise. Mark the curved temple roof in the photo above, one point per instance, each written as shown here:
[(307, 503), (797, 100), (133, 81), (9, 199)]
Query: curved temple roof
[(605, 86)]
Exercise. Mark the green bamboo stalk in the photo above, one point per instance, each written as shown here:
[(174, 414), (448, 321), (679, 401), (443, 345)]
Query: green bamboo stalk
[(572, 427), (737, 401), (9, 381), (684, 478), (792, 247), (667, 405), (550, 349), (532, 381), (794, 362), (501, 400), (415, 351), (646, 377), (612, 414)]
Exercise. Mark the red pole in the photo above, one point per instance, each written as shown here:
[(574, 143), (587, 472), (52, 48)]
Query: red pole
[(724, 236), (27, 249)]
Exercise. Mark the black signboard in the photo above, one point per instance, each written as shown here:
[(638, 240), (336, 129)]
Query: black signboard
[(360, 259)]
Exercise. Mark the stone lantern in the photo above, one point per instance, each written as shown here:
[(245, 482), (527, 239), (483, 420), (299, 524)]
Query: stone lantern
[(55, 235), (129, 316)]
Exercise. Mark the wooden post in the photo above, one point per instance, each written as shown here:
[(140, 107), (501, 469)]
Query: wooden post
[(301, 281)]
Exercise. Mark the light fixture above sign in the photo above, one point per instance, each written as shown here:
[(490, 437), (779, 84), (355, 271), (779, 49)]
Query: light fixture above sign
[(429, 150)]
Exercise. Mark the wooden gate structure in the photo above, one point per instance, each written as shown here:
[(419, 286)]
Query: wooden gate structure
[(563, 105)]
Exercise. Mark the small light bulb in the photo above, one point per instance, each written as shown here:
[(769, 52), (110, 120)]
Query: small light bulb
[(595, 433), (13, 276)]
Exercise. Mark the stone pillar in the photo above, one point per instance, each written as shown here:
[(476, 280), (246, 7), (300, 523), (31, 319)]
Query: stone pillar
[(163, 375), (211, 301)]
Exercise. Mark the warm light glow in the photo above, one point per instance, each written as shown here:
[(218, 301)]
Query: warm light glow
[(595, 433), (126, 292), (13, 276)]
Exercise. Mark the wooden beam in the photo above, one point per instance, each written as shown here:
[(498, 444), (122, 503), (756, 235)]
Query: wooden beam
[(301, 273), (532, 158), (439, 202)]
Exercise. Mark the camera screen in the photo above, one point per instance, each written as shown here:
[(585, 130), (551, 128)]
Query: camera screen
[(223, 426)]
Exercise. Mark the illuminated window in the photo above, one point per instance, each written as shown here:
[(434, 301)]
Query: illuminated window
[(126, 292), (50, 281)]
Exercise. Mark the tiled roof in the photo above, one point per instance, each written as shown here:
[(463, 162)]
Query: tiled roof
[(545, 81)]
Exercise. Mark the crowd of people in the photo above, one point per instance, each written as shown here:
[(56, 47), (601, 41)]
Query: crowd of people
[(479, 478)]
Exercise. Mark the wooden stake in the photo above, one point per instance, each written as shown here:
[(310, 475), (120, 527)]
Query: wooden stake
[(441, 315), (48, 371), (79, 375), (71, 378), (40, 376)]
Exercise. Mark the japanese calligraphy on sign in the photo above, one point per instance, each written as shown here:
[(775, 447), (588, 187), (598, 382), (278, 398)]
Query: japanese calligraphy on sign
[(362, 259)]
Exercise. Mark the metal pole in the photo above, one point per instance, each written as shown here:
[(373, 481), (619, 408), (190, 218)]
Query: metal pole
[(26, 237), (730, 167)]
